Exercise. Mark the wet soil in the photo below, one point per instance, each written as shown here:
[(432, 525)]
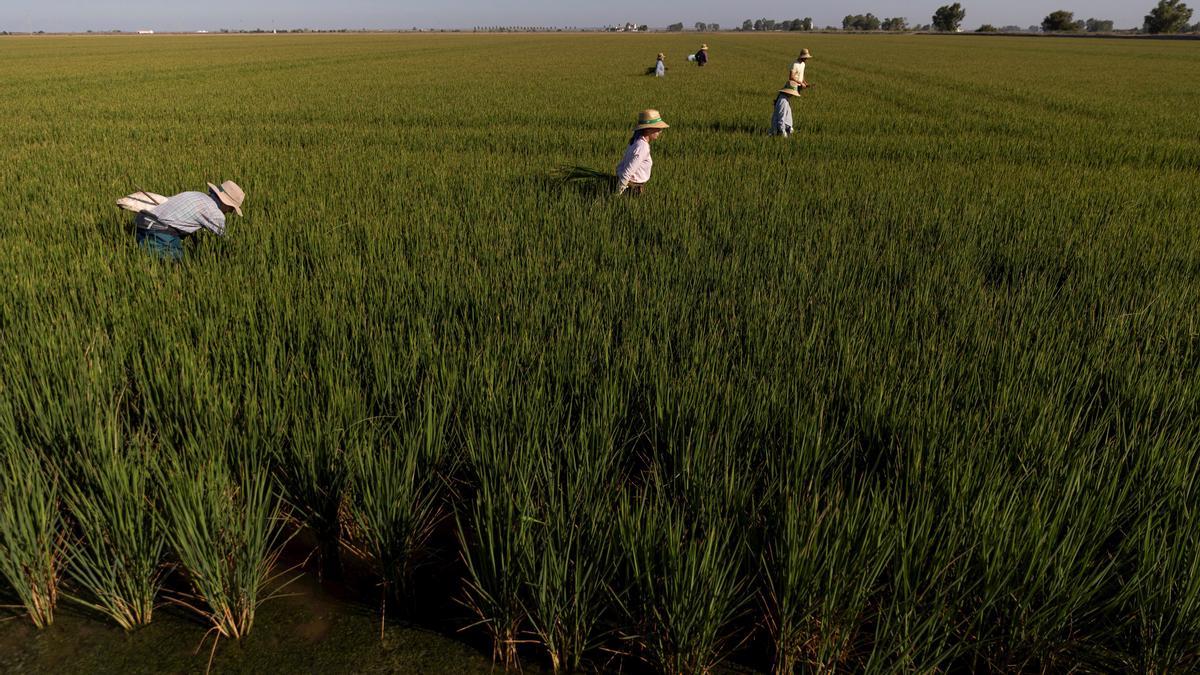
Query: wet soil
[(308, 630)]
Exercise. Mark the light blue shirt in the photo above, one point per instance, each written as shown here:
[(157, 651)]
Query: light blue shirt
[(185, 213), (781, 120)]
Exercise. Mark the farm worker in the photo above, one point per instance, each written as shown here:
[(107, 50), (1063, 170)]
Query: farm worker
[(634, 170), (796, 76), (660, 68), (702, 55), (781, 119), (161, 228)]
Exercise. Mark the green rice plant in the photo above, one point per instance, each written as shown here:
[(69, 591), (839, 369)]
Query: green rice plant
[(572, 558), (1166, 600), (117, 559), (822, 569), (916, 628), (226, 529), (32, 546), (686, 582), (395, 495), (1163, 572), (311, 465), (1047, 578), (495, 536)]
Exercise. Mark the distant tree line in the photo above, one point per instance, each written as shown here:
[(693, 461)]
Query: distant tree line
[(772, 25), (1168, 16)]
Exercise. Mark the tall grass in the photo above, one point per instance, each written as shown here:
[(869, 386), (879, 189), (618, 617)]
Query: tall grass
[(117, 559), (396, 488), (31, 532), (226, 528)]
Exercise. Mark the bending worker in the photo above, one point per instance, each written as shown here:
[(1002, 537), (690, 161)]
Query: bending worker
[(162, 228), (702, 55), (634, 170), (781, 119), (796, 76)]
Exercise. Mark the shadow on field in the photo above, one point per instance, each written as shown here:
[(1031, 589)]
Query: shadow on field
[(581, 180), (738, 128)]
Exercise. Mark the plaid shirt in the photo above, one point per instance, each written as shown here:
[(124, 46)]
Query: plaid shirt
[(185, 213)]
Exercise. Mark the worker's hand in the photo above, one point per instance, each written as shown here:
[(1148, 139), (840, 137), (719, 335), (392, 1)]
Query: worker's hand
[(621, 189)]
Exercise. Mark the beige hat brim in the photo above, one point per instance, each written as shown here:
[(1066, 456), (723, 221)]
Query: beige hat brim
[(789, 92), (656, 125), (221, 196)]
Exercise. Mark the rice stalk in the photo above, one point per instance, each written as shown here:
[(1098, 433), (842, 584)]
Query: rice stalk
[(32, 540), (226, 529), (118, 557)]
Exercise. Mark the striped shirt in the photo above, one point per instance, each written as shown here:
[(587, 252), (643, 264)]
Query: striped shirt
[(185, 213)]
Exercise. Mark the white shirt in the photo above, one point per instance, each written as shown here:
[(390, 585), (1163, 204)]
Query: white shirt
[(636, 164), (797, 72)]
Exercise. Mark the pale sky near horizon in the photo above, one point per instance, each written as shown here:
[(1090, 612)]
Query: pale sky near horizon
[(177, 15)]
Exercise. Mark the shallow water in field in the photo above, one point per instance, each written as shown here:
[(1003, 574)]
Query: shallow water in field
[(307, 630)]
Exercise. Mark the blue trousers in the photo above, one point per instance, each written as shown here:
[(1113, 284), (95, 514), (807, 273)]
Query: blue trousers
[(165, 245)]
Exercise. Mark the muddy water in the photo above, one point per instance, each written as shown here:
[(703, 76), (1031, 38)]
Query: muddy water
[(309, 630)]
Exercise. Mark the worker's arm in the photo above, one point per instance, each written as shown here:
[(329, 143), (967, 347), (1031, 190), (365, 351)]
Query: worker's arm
[(216, 226)]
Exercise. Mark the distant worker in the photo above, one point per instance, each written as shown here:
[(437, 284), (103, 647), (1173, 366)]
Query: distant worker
[(702, 55), (660, 68), (163, 222), (781, 119), (796, 76), (634, 170)]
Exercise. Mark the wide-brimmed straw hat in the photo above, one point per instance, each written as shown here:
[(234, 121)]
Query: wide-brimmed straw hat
[(650, 119), (230, 194), (704, 47), (791, 89), (661, 55), (804, 54)]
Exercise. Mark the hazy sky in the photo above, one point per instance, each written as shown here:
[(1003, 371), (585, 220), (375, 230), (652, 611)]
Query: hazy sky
[(176, 15)]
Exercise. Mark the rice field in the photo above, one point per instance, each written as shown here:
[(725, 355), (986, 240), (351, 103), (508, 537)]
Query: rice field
[(915, 390)]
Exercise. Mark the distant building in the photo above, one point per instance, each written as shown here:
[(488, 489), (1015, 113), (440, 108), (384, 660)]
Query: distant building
[(145, 32)]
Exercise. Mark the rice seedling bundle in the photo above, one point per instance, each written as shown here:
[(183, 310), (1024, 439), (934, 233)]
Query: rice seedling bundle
[(914, 390)]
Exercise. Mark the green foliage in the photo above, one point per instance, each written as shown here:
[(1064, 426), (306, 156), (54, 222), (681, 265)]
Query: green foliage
[(1060, 21), (224, 524), (860, 22), (948, 18), (117, 558), (1168, 16), (1098, 26), (31, 531), (394, 500), (897, 23)]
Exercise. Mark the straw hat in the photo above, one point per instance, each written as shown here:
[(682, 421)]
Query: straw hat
[(650, 119), (804, 54), (704, 47), (661, 55), (230, 194), (791, 89)]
